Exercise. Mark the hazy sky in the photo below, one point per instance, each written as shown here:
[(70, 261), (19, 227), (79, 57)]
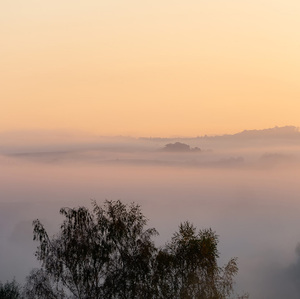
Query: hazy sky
[(149, 68)]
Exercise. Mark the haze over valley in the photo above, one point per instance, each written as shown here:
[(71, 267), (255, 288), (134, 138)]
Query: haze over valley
[(244, 186)]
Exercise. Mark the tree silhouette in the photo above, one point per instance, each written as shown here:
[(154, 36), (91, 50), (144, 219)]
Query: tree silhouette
[(105, 253), (187, 267), (10, 290), (108, 253)]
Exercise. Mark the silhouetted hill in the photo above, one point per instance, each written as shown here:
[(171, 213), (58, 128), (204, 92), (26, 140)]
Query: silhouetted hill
[(270, 133), (287, 131)]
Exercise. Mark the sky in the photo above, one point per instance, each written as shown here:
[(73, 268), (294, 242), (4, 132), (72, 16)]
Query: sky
[(76, 70), (149, 68)]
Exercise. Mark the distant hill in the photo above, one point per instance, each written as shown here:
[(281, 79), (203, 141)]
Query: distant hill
[(287, 131)]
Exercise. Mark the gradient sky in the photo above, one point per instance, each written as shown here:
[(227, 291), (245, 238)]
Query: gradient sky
[(149, 68)]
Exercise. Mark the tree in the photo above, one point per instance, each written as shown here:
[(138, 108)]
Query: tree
[(187, 267), (104, 253), (108, 253), (10, 290)]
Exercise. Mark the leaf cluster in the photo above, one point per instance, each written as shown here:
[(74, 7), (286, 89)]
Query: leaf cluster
[(10, 290)]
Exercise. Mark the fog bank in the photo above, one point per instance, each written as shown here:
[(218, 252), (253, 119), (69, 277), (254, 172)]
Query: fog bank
[(248, 192)]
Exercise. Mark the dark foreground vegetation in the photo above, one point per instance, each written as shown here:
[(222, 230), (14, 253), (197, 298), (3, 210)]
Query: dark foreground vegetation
[(109, 253)]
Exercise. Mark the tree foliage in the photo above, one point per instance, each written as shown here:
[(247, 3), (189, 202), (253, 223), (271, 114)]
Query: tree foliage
[(10, 290), (104, 253), (187, 268), (108, 253)]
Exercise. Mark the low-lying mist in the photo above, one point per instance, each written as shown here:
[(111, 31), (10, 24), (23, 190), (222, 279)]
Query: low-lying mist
[(246, 189)]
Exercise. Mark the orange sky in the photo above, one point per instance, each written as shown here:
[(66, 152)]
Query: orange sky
[(149, 68)]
